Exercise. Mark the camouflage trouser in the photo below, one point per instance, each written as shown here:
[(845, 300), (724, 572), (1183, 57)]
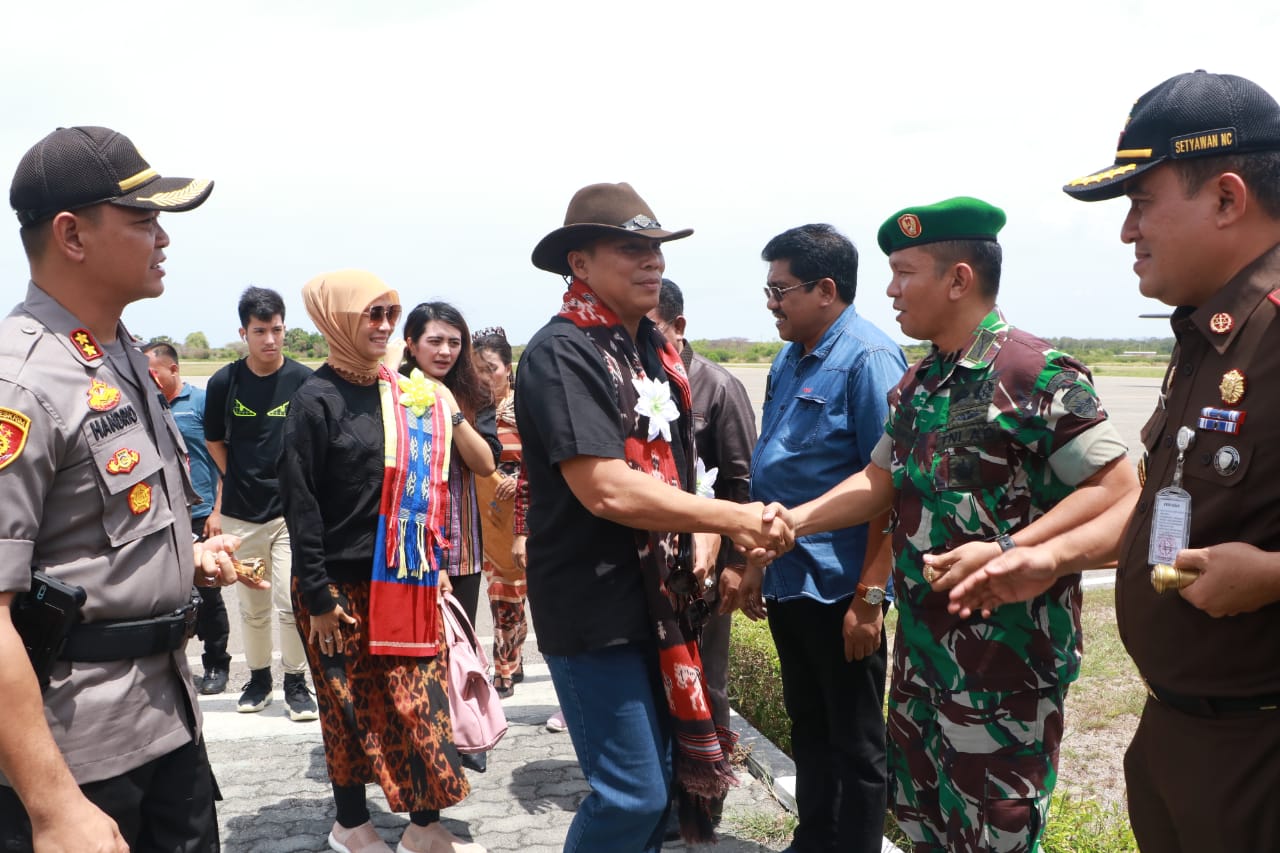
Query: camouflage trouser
[(973, 771)]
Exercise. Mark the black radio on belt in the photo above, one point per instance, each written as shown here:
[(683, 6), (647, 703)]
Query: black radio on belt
[(44, 618)]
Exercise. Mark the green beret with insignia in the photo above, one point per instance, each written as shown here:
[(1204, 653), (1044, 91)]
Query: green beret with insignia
[(960, 218)]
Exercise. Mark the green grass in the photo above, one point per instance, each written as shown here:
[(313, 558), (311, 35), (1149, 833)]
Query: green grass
[(761, 828), (1102, 706)]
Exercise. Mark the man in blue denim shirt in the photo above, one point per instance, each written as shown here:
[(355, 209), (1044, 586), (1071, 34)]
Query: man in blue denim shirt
[(824, 411)]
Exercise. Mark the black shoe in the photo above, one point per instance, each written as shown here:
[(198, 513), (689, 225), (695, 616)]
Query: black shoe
[(214, 681), (477, 761), (302, 708), (257, 692), (518, 675)]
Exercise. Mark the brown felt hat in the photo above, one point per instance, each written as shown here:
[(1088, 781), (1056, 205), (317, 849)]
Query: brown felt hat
[(597, 211)]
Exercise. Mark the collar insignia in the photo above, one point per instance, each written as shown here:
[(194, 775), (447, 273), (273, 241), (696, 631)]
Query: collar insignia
[(84, 341), (1221, 323)]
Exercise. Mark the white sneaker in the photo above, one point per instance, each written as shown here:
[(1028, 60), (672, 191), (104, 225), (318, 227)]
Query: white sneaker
[(359, 839), (556, 722)]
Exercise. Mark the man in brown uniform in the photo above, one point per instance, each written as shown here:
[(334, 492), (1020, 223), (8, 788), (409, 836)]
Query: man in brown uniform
[(1199, 160), (96, 495)]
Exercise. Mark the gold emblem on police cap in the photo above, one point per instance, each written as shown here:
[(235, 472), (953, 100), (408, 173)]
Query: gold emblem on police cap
[(909, 223), (1232, 387), (1221, 323)]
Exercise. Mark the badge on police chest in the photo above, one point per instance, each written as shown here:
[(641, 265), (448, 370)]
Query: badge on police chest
[(1171, 512)]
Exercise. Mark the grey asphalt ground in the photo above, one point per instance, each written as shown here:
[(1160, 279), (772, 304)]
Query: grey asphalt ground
[(276, 793)]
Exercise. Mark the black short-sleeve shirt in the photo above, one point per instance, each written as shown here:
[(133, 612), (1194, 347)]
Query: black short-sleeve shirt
[(585, 588)]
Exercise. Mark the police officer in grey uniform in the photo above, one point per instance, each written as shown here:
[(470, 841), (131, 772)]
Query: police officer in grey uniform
[(96, 495)]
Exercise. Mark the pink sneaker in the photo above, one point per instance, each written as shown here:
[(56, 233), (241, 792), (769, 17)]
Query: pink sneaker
[(556, 723)]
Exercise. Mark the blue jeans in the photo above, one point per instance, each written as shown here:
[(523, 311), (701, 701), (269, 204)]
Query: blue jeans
[(613, 702)]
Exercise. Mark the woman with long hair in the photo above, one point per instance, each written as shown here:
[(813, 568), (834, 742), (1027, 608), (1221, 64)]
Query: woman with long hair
[(368, 523), (438, 343), (506, 576)]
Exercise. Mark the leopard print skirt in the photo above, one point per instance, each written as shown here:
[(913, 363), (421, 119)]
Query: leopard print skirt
[(385, 719)]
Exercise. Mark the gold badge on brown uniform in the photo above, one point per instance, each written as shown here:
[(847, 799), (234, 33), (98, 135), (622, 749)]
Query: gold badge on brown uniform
[(1232, 387), (910, 225), (1221, 323), (140, 499), (123, 461), (13, 435), (84, 341), (102, 397)]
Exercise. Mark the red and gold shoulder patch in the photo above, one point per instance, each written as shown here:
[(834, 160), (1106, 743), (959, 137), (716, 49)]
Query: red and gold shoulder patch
[(85, 342), (14, 427), (910, 225), (102, 397), (140, 499), (123, 461)]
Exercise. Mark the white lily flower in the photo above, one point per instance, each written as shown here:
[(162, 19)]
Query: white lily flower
[(706, 480), (655, 403)]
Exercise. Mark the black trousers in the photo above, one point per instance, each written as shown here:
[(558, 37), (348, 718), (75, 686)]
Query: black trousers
[(212, 625), (837, 728), (164, 806), (467, 590)]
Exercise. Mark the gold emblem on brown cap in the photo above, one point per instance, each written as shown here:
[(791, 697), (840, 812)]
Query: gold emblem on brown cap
[(1232, 387), (910, 225), (1221, 323)]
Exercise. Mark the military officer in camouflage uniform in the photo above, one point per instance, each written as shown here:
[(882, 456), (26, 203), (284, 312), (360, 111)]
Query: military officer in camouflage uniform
[(987, 433), (96, 494)]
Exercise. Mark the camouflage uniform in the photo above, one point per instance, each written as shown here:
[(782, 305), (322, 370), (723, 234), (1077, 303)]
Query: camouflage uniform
[(981, 443)]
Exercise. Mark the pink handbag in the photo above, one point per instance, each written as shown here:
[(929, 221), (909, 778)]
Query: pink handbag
[(478, 720)]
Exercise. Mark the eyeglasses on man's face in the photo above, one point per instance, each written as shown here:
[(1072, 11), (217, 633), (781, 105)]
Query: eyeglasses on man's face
[(776, 293), (378, 313)]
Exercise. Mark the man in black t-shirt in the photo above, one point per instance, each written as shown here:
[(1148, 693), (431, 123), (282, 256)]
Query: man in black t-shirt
[(593, 504), (245, 407)]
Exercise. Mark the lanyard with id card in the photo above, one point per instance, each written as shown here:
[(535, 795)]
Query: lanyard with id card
[(1171, 523)]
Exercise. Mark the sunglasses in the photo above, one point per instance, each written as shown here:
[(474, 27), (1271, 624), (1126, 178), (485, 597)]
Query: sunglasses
[(378, 313), (776, 293)]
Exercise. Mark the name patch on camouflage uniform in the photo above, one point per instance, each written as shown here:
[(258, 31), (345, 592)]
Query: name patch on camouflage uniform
[(140, 499), (14, 426), (102, 397), (84, 341)]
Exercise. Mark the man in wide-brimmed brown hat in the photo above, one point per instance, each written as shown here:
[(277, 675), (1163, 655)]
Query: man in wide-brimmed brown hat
[(603, 407)]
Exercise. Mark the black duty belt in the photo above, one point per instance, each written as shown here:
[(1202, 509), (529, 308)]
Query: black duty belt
[(94, 642), (1215, 706)]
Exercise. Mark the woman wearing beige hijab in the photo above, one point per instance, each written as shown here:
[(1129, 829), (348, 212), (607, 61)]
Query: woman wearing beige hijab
[(363, 513)]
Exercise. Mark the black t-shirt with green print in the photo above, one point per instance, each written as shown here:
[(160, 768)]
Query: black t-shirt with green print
[(247, 412)]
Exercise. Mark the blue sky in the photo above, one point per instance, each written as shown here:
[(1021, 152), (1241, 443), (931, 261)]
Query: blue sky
[(434, 143)]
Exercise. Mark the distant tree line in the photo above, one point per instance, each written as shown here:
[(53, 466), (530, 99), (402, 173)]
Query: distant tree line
[(298, 344)]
